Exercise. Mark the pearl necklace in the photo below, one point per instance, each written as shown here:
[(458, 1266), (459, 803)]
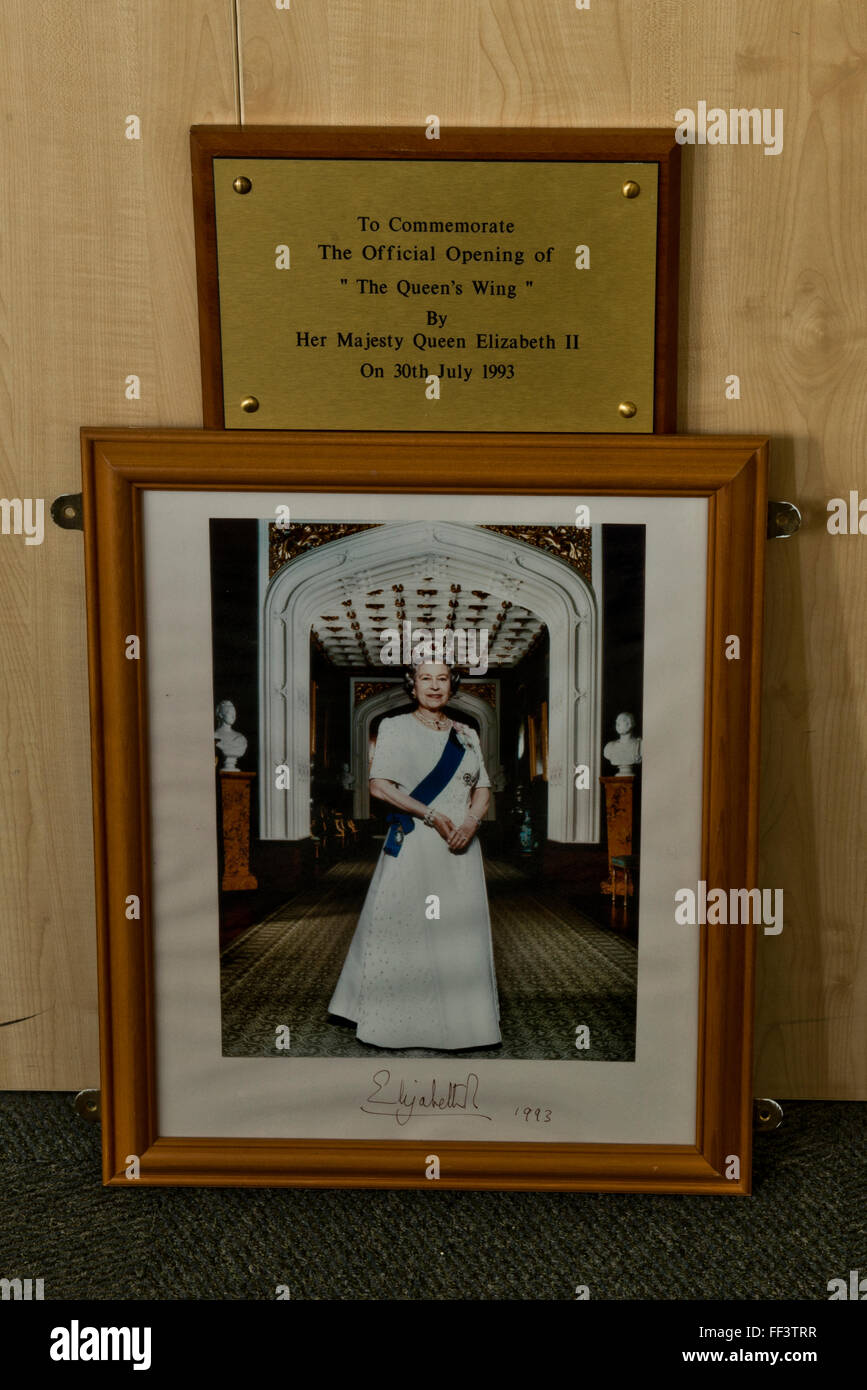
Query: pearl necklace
[(435, 724)]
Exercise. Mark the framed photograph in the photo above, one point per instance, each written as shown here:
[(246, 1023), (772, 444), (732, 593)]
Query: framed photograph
[(347, 935), (423, 279)]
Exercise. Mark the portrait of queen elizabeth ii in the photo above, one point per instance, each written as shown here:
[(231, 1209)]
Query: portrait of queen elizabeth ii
[(420, 968), (377, 893)]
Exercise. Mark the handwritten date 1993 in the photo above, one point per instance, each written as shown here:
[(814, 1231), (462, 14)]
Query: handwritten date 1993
[(540, 1113)]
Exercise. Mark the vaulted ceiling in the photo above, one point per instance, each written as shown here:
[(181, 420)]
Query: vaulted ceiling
[(427, 593)]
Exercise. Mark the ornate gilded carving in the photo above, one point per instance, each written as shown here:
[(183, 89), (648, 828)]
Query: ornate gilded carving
[(365, 690), (486, 692), (569, 543), (287, 543)]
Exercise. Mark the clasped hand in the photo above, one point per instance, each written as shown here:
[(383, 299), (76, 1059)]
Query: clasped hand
[(457, 837)]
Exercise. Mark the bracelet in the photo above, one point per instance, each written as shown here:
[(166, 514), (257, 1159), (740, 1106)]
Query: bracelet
[(477, 819), (429, 816)]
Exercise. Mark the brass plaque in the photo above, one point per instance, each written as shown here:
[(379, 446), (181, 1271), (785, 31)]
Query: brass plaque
[(417, 295)]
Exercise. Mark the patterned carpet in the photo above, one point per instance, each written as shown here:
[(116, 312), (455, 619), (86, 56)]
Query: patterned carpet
[(804, 1226), (555, 969)]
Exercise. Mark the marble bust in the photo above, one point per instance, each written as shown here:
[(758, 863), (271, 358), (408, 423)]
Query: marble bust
[(624, 752), (231, 744)]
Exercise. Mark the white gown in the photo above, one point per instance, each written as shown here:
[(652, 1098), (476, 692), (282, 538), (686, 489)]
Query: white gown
[(409, 980)]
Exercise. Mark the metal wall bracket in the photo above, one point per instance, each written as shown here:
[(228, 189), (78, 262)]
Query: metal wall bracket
[(88, 1104), (767, 1114), (784, 520), (68, 512)]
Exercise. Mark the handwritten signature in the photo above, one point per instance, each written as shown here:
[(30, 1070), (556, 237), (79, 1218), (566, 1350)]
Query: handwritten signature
[(460, 1097)]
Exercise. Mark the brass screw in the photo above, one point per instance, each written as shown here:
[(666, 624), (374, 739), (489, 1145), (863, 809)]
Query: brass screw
[(250, 404), (242, 184), (628, 409), (630, 189)]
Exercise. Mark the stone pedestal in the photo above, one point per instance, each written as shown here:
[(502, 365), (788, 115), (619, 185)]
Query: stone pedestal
[(619, 793), (235, 804)]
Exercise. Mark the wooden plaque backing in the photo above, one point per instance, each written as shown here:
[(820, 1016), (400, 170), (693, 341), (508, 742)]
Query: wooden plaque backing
[(656, 146)]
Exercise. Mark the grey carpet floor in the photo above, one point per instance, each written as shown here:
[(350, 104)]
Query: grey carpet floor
[(804, 1225), (555, 969)]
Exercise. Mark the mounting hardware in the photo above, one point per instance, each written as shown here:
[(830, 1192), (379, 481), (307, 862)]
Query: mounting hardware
[(784, 520), (68, 511), (89, 1106), (767, 1114)]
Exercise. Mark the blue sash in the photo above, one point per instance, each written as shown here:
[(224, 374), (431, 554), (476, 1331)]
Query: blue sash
[(400, 824)]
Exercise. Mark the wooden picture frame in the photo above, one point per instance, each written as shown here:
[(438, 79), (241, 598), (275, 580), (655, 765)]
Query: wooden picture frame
[(656, 147), (122, 471)]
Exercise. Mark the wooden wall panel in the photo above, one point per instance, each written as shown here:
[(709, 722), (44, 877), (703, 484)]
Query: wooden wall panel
[(773, 290), (776, 292), (470, 62), (96, 282)]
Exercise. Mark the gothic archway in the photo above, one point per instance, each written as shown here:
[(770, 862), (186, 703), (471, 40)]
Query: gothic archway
[(508, 568)]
